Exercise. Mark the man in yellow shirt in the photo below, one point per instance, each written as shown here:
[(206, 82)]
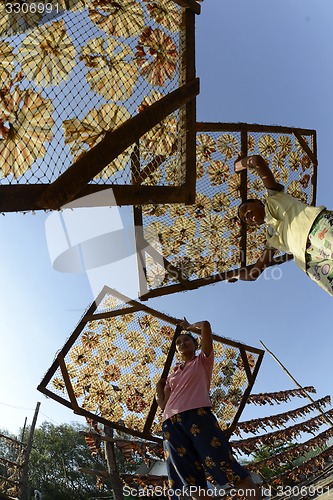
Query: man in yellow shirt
[(291, 226)]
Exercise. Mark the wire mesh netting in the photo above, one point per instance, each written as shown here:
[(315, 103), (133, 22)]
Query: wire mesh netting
[(114, 362), (71, 71), (203, 241)]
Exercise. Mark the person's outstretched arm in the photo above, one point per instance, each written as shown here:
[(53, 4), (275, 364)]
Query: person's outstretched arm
[(253, 272), (265, 259), (258, 163), (203, 328)]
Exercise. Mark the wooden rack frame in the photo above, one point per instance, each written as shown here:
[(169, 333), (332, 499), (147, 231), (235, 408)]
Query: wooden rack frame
[(129, 307), (183, 284), (74, 183)]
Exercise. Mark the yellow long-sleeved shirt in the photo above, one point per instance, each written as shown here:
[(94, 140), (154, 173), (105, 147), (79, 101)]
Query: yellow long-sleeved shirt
[(288, 223)]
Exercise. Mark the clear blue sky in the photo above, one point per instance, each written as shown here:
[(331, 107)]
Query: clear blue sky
[(259, 62)]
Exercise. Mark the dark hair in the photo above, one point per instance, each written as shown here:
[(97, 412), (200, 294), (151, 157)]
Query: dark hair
[(250, 200), (194, 340)]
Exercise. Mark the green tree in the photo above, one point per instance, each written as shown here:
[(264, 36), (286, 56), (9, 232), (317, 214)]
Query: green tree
[(58, 453), (55, 461), (269, 451)]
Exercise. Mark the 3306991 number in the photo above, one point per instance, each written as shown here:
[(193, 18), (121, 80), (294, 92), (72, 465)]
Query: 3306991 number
[(31, 7), (302, 491)]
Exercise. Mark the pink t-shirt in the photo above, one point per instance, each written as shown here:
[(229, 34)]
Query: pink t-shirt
[(190, 385)]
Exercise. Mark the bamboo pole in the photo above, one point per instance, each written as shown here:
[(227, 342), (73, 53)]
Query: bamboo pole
[(310, 398)]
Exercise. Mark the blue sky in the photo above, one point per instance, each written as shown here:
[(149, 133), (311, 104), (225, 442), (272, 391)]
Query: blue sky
[(259, 62)]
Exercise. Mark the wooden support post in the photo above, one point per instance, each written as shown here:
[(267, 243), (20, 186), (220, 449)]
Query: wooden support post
[(189, 4), (243, 194), (315, 172), (68, 384), (100, 437), (22, 198), (189, 118), (117, 484), (24, 482), (248, 389), (303, 143), (73, 180), (246, 365), (164, 374), (23, 430), (140, 255)]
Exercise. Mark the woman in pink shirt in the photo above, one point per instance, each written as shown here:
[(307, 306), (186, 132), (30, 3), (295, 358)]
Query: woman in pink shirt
[(193, 441)]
